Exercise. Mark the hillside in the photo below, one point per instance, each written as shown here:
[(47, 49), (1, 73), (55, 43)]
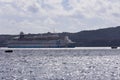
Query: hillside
[(100, 37)]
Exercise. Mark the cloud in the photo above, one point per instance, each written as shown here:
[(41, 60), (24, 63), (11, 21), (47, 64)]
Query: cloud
[(63, 15), (66, 5), (33, 9)]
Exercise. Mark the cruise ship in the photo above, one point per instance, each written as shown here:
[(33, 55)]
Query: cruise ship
[(42, 41)]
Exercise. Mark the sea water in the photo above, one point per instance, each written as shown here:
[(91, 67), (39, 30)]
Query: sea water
[(60, 64)]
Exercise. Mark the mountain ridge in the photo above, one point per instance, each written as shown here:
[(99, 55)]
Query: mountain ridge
[(97, 38)]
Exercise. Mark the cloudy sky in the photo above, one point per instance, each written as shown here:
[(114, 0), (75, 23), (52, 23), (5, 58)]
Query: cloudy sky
[(37, 16)]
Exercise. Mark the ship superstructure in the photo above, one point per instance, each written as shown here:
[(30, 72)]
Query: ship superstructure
[(41, 41)]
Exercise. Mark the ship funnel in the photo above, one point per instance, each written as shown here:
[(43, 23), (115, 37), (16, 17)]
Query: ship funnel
[(21, 35)]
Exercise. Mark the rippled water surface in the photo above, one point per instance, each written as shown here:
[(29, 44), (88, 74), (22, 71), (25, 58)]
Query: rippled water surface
[(60, 64)]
